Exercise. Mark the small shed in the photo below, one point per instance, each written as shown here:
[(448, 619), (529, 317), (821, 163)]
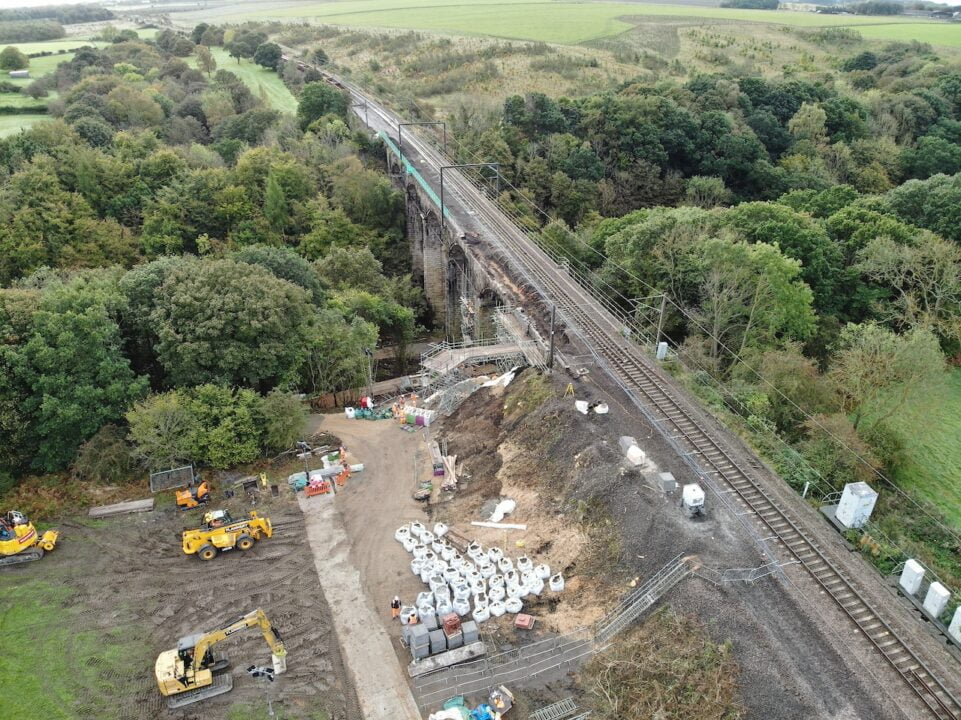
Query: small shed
[(20, 74)]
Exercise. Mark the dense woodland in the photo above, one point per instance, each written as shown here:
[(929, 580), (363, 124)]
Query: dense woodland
[(177, 258)]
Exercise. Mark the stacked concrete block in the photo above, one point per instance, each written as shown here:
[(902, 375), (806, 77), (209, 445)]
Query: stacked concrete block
[(438, 642), (471, 634)]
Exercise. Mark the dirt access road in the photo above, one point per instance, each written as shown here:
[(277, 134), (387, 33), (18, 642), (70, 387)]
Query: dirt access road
[(360, 565)]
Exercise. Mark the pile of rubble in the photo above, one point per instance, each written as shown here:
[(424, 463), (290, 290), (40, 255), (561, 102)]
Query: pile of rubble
[(488, 580)]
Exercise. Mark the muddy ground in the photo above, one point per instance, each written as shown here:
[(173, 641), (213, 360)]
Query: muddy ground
[(130, 586), (606, 526)]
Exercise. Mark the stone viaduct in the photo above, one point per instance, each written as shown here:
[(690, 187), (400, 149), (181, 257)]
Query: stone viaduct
[(460, 282)]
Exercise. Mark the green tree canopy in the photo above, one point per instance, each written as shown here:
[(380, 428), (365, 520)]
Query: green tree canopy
[(12, 59), (877, 370), (318, 99), (230, 322), (78, 380), (268, 55)]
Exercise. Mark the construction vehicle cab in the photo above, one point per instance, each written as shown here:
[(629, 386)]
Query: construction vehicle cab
[(193, 496), (190, 672), (220, 532), (20, 541)]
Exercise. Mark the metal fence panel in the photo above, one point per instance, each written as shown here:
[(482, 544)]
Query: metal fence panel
[(169, 479)]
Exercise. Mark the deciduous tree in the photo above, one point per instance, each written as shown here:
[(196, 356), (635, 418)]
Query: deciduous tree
[(229, 322), (877, 371)]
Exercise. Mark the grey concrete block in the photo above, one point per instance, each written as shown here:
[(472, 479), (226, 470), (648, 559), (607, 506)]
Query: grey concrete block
[(470, 631), (419, 653), (419, 636), (456, 640), (438, 642), (430, 622)]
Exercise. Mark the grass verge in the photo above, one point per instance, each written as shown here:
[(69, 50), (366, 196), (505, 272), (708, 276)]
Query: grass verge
[(929, 428), (52, 668), (263, 83), (12, 124)]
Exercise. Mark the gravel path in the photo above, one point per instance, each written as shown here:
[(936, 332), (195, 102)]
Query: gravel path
[(383, 693)]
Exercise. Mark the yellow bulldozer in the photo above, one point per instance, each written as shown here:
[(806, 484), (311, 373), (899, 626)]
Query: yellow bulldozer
[(21, 542), (191, 672), (220, 532)]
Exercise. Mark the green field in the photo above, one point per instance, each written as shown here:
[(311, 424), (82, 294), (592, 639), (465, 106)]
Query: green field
[(262, 82), (40, 66), (930, 429), (48, 665), (55, 45), (574, 22), (12, 124)]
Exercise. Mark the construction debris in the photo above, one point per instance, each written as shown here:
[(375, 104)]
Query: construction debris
[(502, 380), (450, 468), (504, 507), (123, 508), (436, 459)]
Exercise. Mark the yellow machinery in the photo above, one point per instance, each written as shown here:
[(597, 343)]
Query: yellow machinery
[(193, 496), (20, 541), (221, 532), (190, 672)]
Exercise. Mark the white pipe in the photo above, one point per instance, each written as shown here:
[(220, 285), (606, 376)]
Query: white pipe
[(500, 526)]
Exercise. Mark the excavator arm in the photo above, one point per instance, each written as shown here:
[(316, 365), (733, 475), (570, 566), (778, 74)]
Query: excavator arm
[(257, 618)]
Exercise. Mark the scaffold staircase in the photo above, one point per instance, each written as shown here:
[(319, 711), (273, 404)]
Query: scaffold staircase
[(634, 604)]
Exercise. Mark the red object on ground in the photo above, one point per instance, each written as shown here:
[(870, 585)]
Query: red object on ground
[(317, 488), (524, 621), (450, 623)]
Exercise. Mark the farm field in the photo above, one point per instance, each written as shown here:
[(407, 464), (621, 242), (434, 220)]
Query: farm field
[(262, 82), (55, 45), (12, 124), (40, 66), (568, 22), (929, 427)]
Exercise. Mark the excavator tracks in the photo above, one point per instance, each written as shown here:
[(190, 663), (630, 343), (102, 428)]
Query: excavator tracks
[(26, 556), (223, 683)]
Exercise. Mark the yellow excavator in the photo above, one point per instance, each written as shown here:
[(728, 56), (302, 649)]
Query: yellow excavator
[(20, 541), (190, 672), (194, 495), (220, 532)]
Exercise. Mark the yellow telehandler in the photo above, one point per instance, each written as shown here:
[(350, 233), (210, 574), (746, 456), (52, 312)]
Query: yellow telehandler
[(20, 541), (190, 672), (220, 532)]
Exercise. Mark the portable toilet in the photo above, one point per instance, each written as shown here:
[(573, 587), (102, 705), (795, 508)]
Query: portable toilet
[(857, 502), (692, 499)]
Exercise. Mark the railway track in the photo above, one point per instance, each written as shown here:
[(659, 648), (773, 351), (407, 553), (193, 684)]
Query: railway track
[(600, 330)]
